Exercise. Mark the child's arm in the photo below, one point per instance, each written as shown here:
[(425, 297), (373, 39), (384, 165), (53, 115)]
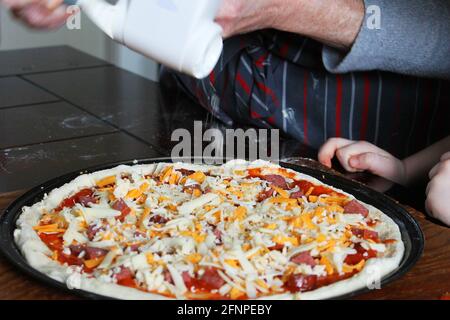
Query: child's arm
[(438, 190), (418, 165), (357, 156), (363, 156)]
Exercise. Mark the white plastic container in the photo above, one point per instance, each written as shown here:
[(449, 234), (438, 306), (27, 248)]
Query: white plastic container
[(180, 34)]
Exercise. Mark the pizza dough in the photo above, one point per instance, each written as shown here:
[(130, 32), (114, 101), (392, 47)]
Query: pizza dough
[(238, 231)]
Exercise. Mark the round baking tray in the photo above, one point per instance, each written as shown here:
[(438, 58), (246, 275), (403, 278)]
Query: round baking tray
[(411, 233)]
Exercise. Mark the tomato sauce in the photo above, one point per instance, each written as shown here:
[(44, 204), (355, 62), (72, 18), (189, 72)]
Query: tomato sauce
[(72, 201)]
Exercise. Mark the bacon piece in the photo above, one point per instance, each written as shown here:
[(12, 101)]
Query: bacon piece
[(296, 195), (211, 279), (87, 200), (208, 189), (216, 232), (304, 258), (278, 247), (159, 219), (361, 254), (218, 235), (76, 249), (125, 277), (94, 253), (190, 189), (276, 180), (355, 207), (92, 231), (167, 276), (121, 206), (366, 234), (265, 194), (135, 247), (300, 283), (188, 280), (139, 234), (185, 172)]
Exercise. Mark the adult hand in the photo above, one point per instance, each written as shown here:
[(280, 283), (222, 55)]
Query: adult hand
[(336, 23), (438, 190), (40, 14), (359, 156), (243, 16)]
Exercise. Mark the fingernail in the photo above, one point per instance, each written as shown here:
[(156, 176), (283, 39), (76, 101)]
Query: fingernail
[(354, 162), (52, 4)]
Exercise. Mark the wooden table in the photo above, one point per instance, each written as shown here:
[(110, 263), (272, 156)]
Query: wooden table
[(95, 113), (429, 279)]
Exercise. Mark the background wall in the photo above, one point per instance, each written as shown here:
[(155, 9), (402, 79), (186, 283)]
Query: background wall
[(88, 39)]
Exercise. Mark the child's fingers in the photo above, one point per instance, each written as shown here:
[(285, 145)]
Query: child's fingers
[(445, 156), (328, 150), (380, 165), (434, 171)]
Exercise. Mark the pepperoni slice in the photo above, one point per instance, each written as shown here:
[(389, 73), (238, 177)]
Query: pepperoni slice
[(276, 180), (218, 235), (211, 279), (188, 280), (366, 234), (278, 247), (87, 200), (300, 283), (121, 206), (296, 195), (185, 172), (94, 253), (304, 258), (354, 207), (265, 194), (361, 254), (76, 249), (125, 277), (167, 276), (158, 219), (92, 231), (84, 195)]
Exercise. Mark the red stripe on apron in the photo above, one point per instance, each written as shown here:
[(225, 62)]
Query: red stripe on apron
[(212, 77), (243, 84), (269, 92)]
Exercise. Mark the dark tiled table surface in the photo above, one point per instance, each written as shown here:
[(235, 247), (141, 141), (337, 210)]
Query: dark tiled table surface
[(62, 110), (26, 61)]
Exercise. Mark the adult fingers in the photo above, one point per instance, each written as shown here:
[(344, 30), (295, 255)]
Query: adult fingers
[(39, 16), (18, 4)]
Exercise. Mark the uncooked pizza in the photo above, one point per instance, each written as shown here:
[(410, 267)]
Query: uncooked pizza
[(181, 231)]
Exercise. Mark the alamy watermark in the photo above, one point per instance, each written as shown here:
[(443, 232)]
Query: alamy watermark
[(215, 146), (373, 16), (74, 18)]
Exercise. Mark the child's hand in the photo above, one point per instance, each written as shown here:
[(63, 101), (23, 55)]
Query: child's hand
[(359, 156), (438, 190), (41, 14)]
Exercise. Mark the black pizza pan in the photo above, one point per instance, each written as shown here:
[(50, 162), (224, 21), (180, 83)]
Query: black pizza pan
[(411, 233)]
